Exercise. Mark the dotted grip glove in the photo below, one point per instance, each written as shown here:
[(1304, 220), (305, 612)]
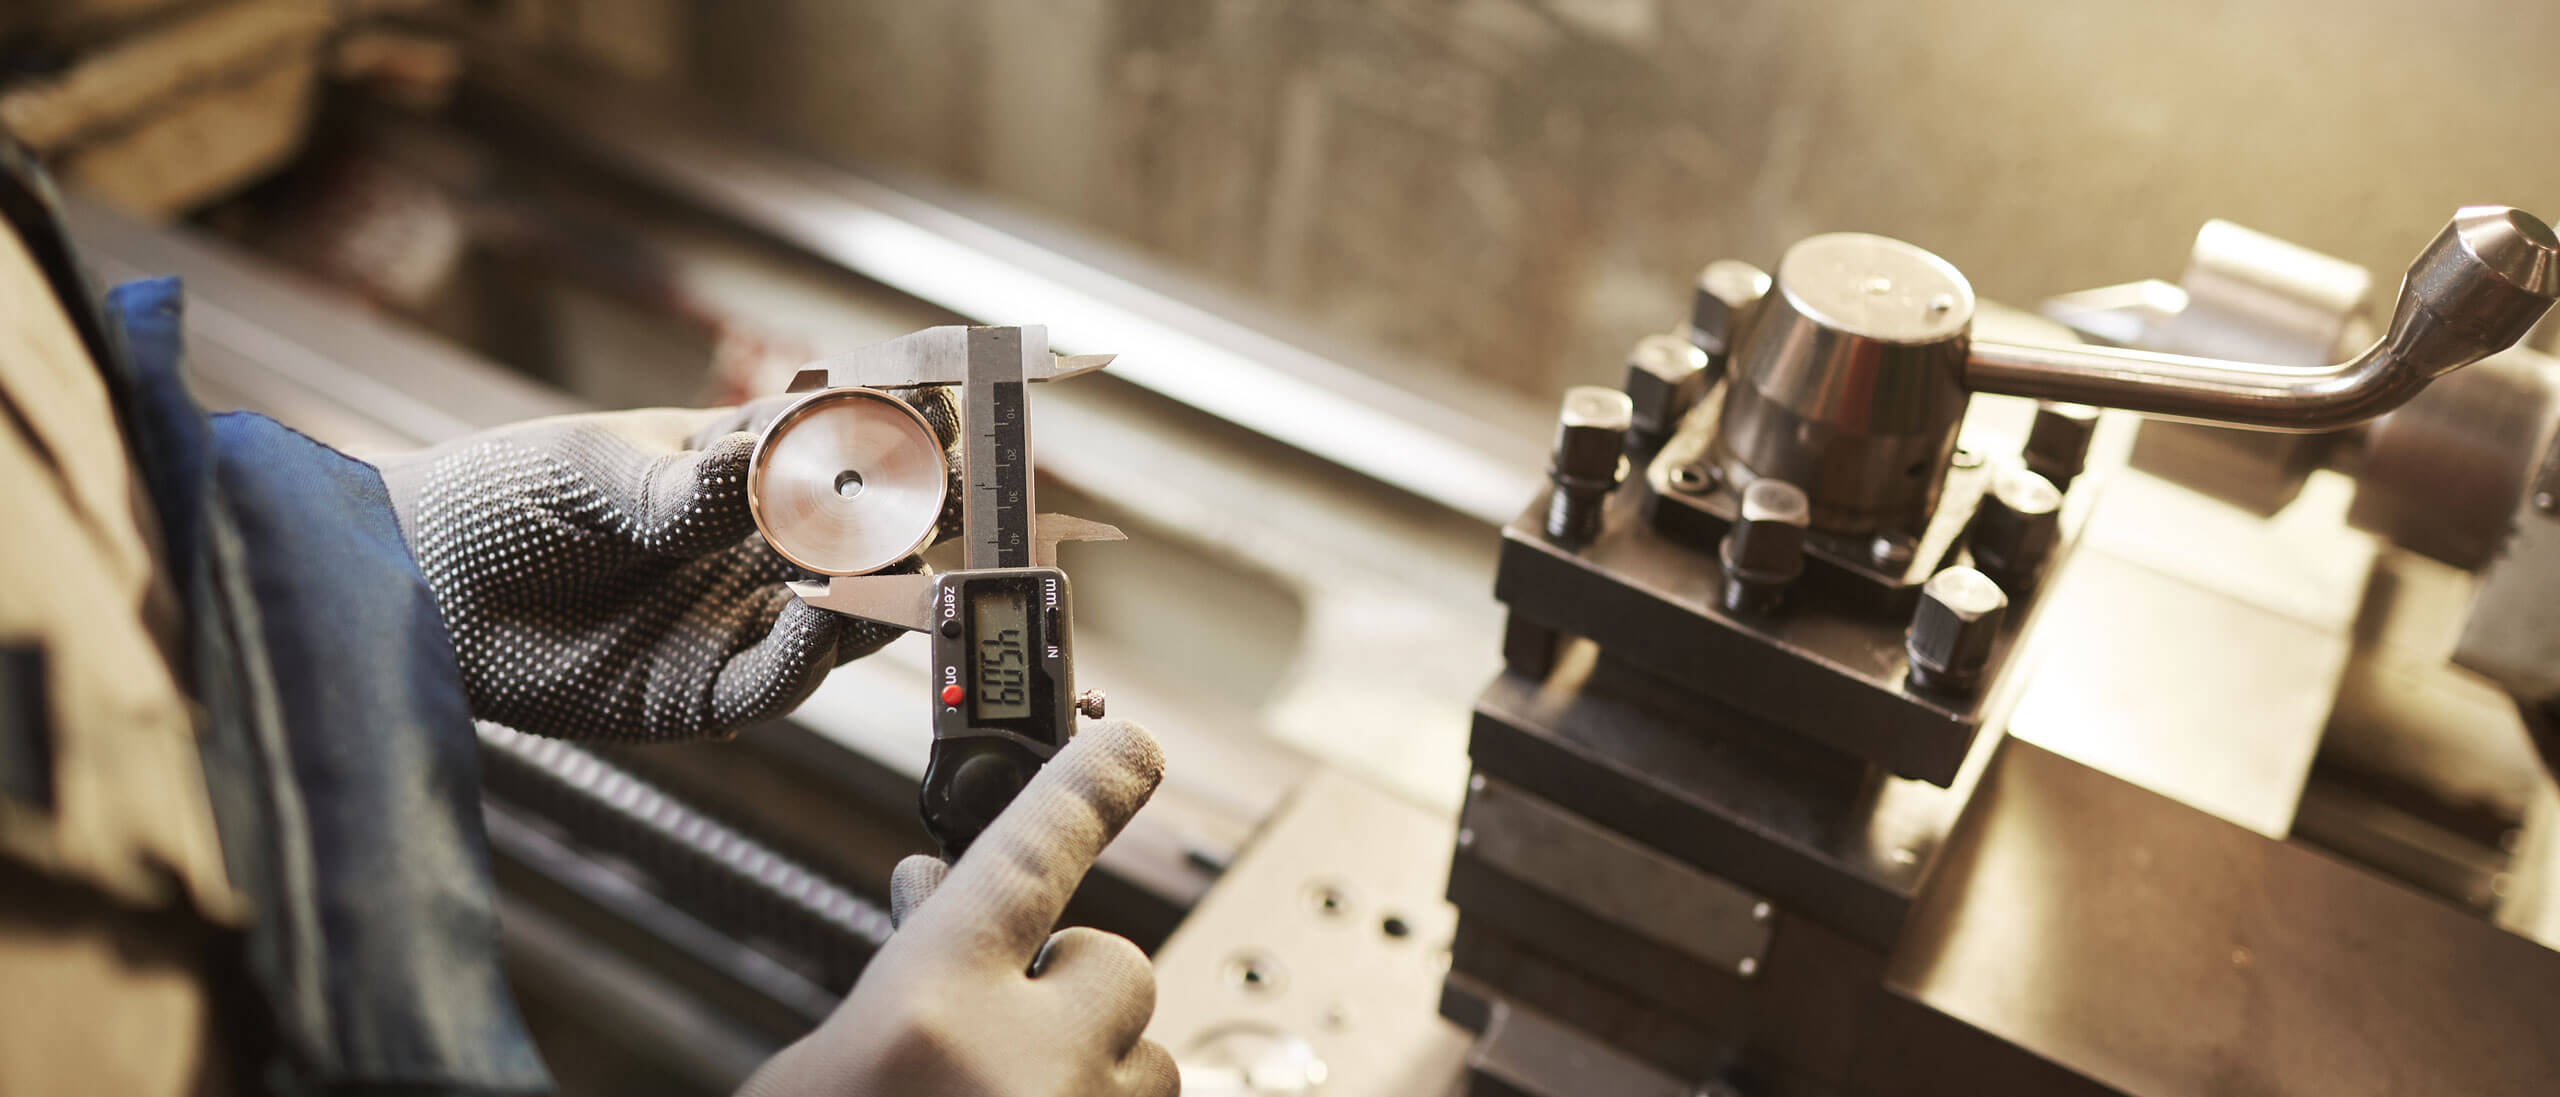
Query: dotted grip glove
[(603, 578), (973, 996)]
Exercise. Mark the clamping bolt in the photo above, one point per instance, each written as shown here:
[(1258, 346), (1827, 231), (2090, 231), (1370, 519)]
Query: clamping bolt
[(1951, 633), (1764, 551), (2058, 442), (2015, 527), (1591, 447), (1726, 290)]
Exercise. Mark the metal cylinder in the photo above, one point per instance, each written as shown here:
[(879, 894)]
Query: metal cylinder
[(1848, 383), (2015, 527), (1764, 551), (847, 481), (1590, 451), (1726, 291), (2058, 442), (1953, 629)]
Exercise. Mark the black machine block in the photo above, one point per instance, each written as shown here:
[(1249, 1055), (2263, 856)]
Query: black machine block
[(1852, 855)]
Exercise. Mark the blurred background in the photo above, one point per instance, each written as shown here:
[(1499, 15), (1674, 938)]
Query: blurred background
[(1350, 251), (1516, 189)]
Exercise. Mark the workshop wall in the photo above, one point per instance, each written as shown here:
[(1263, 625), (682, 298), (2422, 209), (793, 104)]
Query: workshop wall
[(1521, 187)]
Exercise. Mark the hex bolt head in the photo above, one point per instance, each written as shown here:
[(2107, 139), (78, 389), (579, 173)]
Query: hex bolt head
[(1727, 289), (1591, 447), (2058, 442), (1764, 550), (2015, 527), (1951, 633), (1591, 429), (1665, 378)]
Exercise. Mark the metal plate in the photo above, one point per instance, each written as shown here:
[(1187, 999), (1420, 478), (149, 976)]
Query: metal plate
[(1314, 966), (1579, 945), (1500, 971), (1612, 878), (1699, 790), (1527, 1055), (2156, 949), (2511, 636), (1831, 673), (2136, 675), (847, 481)]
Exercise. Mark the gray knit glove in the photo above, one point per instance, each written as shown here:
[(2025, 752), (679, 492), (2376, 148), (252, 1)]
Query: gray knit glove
[(603, 579), (974, 997)]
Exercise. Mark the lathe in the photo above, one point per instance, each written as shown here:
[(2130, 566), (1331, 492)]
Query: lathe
[(1744, 813), (1876, 713)]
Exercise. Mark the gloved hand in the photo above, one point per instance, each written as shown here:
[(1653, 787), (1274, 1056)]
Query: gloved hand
[(973, 996), (603, 579)]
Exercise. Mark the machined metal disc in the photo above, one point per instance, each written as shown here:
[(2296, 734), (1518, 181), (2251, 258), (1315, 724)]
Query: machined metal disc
[(847, 481)]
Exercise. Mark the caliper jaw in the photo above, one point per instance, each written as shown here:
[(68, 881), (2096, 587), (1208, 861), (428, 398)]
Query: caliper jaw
[(936, 356), (958, 356), (906, 600)]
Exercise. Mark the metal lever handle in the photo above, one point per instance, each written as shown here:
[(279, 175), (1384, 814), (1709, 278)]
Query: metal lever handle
[(2476, 289)]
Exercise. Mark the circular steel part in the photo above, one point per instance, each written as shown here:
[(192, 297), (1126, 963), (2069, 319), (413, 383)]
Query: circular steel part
[(1876, 288), (847, 481)]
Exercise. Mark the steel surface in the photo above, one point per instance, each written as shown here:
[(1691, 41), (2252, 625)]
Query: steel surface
[(847, 481)]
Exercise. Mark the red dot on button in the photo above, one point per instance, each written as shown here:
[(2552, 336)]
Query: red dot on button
[(951, 694)]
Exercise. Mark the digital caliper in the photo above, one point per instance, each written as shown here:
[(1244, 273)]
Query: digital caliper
[(850, 480)]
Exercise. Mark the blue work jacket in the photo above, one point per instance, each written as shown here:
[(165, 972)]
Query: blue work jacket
[(337, 743)]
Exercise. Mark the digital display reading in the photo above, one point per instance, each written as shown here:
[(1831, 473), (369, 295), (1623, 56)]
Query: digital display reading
[(1000, 624)]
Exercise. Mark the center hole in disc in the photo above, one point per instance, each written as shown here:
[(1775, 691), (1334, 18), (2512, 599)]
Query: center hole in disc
[(849, 483)]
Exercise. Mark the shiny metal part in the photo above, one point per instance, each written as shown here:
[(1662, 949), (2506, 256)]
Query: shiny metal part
[(1764, 551), (1727, 291), (2513, 634), (2149, 948), (2246, 296), (847, 481), (1089, 704), (2015, 528), (1048, 531), (1849, 383), (941, 356), (2131, 314), (904, 600), (1625, 883), (2258, 298), (1952, 631), (998, 526), (1589, 459), (2476, 289), (2058, 441), (1665, 377), (1340, 896), (2441, 475)]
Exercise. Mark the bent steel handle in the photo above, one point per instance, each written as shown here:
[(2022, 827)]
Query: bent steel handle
[(2484, 281)]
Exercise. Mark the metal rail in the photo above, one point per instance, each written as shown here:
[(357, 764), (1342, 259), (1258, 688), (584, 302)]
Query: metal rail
[(1459, 444)]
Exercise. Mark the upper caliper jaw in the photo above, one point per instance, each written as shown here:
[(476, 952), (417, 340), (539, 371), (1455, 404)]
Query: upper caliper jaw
[(937, 356)]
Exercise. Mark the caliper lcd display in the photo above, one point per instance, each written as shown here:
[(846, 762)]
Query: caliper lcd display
[(1000, 661)]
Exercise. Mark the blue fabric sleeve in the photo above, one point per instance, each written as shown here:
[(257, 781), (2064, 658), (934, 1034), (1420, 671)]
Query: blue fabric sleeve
[(377, 737)]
